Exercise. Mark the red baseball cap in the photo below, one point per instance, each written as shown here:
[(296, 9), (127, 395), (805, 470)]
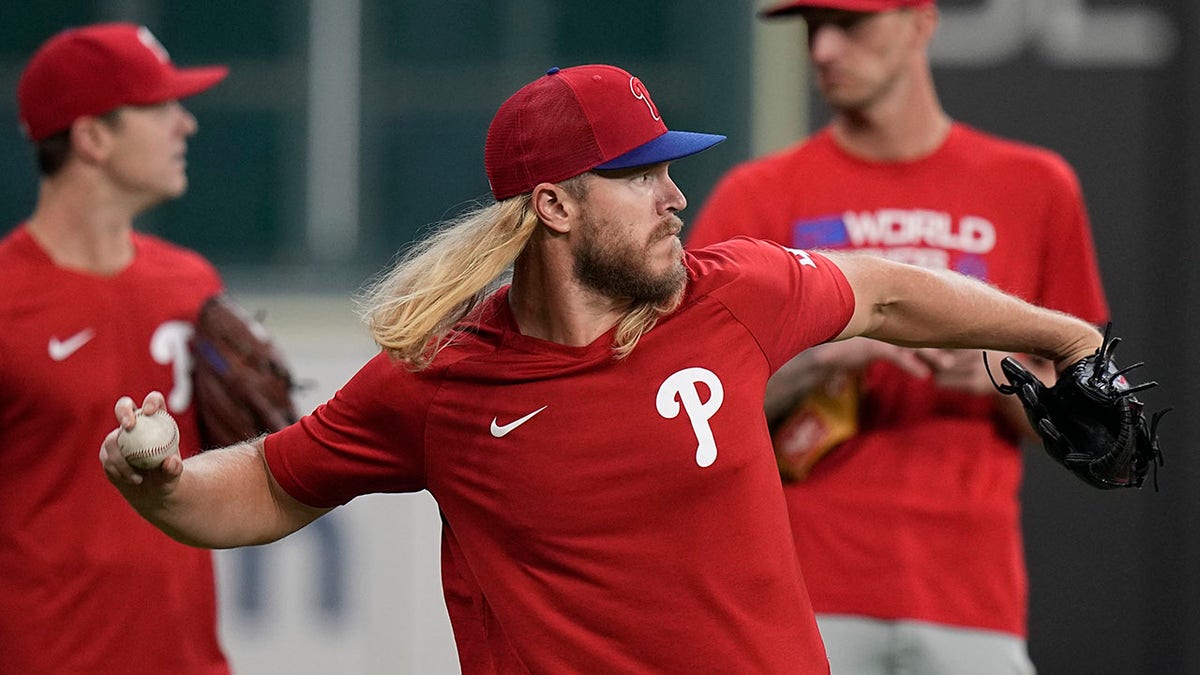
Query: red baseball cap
[(795, 6), (95, 69), (577, 119)]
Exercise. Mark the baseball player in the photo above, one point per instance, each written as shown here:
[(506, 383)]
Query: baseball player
[(90, 309), (593, 431), (908, 530)]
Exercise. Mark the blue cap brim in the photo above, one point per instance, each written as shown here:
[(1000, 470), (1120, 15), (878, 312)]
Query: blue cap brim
[(669, 146)]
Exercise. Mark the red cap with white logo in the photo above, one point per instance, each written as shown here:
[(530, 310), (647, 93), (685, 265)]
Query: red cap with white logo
[(95, 69), (578, 119)]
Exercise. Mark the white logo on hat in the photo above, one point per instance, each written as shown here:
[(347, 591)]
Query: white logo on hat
[(147, 38), (642, 94)]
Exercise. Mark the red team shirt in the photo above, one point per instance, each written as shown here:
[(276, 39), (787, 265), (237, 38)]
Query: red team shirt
[(917, 516), (88, 585), (611, 515)]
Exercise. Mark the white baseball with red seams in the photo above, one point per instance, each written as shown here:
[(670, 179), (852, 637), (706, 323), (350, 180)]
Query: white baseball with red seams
[(152, 439)]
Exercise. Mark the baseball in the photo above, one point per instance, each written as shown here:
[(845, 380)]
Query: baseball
[(152, 439)]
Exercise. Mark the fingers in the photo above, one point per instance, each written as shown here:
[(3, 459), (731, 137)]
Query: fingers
[(172, 466), (857, 353), (126, 411), (965, 360), (963, 369), (113, 462), (153, 402), (957, 369), (912, 361), (937, 359), (123, 475), (919, 363)]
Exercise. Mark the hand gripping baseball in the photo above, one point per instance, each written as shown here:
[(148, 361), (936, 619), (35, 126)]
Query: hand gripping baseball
[(1090, 421), (144, 444)]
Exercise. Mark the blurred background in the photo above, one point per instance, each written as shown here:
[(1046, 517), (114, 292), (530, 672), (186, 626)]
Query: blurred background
[(347, 126)]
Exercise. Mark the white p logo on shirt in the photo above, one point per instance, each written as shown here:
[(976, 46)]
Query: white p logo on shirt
[(679, 392), (169, 346)]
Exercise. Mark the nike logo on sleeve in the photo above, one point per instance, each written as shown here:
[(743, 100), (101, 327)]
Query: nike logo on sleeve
[(61, 349), (502, 430)]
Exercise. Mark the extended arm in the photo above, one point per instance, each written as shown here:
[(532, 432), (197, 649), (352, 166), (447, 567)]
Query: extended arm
[(915, 307), (218, 499)]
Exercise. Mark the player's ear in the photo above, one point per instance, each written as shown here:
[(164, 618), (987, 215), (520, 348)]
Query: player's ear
[(554, 206), (926, 20), (90, 138)]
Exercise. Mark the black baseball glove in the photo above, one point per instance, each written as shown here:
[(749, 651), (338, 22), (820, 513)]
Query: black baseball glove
[(1090, 421), (243, 387)]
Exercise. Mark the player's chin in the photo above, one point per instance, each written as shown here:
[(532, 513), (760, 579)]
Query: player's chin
[(166, 191), (174, 181), (670, 269), (843, 97), (666, 258), (670, 245)]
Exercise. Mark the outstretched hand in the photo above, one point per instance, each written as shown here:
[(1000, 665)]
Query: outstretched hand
[(130, 481)]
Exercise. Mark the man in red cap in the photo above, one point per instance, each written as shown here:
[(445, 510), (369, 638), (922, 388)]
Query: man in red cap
[(91, 309), (593, 430), (908, 530)]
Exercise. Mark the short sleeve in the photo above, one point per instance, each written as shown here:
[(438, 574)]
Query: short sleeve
[(367, 439), (788, 299)]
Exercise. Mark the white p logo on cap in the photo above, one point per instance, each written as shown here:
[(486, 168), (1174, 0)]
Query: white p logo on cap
[(642, 94)]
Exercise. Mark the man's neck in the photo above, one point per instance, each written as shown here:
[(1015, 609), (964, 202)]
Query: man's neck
[(81, 233), (892, 140), (904, 127), (549, 303)]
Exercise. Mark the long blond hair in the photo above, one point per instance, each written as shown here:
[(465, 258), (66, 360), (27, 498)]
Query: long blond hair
[(411, 309)]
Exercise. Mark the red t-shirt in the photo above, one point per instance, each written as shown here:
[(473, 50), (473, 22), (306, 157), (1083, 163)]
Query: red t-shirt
[(88, 585), (917, 516), (609, 515)]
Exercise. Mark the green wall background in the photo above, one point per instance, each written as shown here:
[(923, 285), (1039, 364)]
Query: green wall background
[(432, 73)]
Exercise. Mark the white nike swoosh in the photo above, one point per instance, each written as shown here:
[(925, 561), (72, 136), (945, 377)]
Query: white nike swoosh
[(61, 349), (500, 431)]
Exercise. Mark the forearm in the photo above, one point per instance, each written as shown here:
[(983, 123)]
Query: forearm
[(911, 306), (224, 498)]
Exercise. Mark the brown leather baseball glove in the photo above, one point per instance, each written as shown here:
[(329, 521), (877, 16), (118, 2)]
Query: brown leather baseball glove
[(243, 387)]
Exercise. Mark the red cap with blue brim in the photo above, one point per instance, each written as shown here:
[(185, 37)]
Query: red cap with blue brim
[(574, 120)]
